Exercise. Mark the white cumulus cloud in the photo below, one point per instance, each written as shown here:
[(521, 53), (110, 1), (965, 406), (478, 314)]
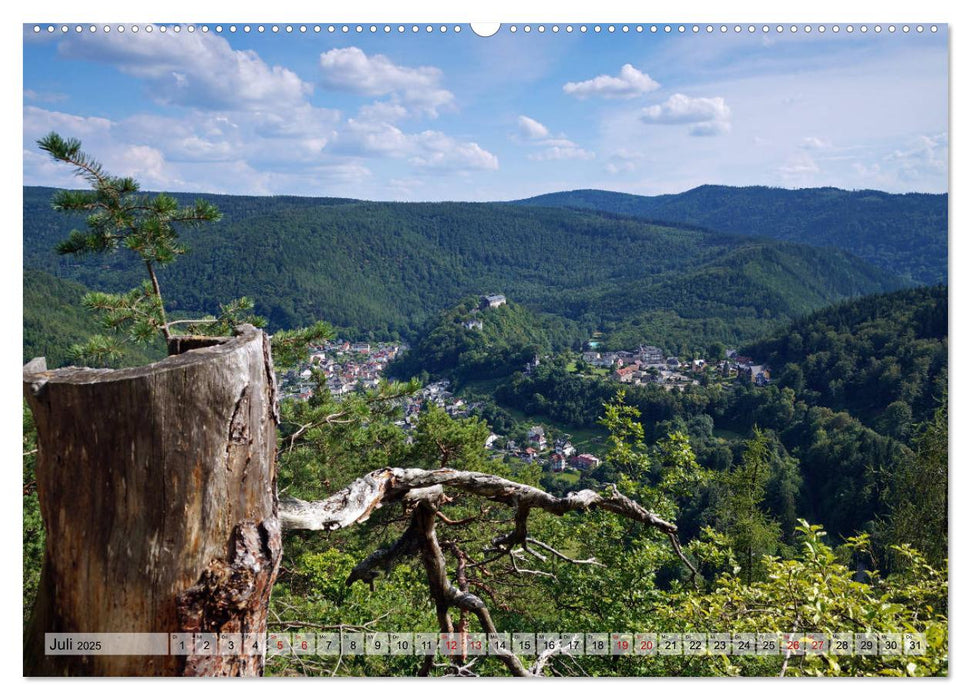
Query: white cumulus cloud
[(707, 116), (192, 69), (630, 82), (240, 152), (537, 136), (532, 129), (427, 150), (922, 158), (438, 151), (39, 122), (417, 89), (233, 122), (624, 160)]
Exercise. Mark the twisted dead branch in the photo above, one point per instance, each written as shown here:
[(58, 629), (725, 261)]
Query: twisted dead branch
[(421, 492)]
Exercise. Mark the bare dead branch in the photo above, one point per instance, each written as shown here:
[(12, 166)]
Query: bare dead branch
[(348, 506), (677, 550), (355, 502), (504, 543), (190, 320), (447, 595), (516, 554), (556, 553), (421, 492), (545, 657), (534, 553), (464, 670), (491, 593)]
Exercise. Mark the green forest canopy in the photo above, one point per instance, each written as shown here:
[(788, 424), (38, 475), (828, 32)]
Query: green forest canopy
[(904, 234), (386, 268)]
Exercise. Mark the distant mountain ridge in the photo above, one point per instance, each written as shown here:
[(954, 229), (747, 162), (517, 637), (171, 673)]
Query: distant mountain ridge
[(905, 234), (387, 268)]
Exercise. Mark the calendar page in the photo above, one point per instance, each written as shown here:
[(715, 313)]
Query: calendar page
[(531, 349)]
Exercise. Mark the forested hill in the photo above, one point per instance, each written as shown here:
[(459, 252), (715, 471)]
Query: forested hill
[(854, 387), (905, 234), (54, 320), (386, 268), (883, 357), (473, 341)]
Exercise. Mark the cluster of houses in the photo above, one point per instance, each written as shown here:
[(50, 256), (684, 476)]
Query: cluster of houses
[(745, 368), (437, 394), (559, 456), (648, 355), (646, 365), (649, 365), (345, 365)]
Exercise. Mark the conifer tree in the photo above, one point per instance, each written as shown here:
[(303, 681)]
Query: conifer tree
[(751, 531), (118, 215)]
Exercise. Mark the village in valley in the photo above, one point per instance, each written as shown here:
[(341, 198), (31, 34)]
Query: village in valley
[(347, 367), (648, 364)]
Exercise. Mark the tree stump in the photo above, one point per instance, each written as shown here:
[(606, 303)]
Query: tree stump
[(157, 491)]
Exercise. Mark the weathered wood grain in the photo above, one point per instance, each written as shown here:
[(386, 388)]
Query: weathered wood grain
[(157, 491)]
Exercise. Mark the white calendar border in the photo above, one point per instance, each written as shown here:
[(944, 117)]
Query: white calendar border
[(518, 11)]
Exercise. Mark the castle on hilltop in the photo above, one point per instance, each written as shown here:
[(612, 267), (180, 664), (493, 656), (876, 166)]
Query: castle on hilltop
[(493, 301)]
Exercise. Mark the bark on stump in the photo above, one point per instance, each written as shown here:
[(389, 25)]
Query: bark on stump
[(157, 491)]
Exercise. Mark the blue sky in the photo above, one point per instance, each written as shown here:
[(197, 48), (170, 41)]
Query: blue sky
[(460, 117)]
